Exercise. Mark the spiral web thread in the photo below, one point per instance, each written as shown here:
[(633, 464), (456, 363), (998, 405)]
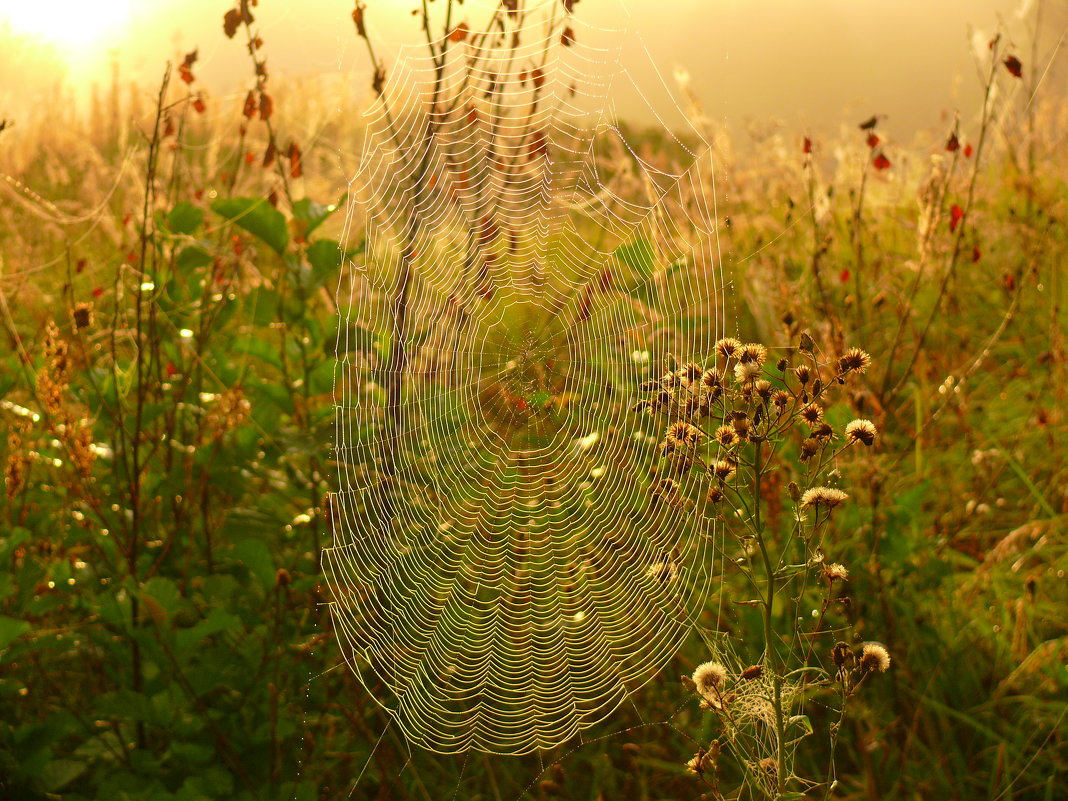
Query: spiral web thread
[(501, 580)]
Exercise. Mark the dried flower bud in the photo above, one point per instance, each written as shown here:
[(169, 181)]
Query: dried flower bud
[(842, 655)]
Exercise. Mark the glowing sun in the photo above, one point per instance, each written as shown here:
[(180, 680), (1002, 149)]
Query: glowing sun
[(71, 25)]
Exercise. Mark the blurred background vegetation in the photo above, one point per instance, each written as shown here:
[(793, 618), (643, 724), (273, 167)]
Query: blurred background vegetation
[(166, 393)]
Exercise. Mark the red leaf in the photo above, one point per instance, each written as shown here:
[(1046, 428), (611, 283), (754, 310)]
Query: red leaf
[(198, 104), (171, 369), (250, 158), (185, 69), (844, 276), (266, 106), (872, 140), (357, 17), (98, 291), (976, 253), (953, 143), (168, 127), (968, 151), (294, 156), (459, 33), (955, 215), (1013, 65), (250, 105), (881, 162), (567, 38), (231, 22), (538, 144), (537, 77), (806, 146)]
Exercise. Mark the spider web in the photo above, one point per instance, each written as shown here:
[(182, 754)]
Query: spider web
[(501, 580)]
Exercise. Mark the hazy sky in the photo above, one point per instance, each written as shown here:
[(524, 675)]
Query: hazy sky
[(811, 63)]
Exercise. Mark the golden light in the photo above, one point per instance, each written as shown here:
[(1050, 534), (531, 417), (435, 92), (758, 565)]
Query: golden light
[(73, 26)]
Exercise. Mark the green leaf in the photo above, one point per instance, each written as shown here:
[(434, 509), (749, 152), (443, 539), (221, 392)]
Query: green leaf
[(192, 257), (256, 556), (217, 621), (10, 630), (639, 257), (259, 348), (164, 592), (312, 214), (58, 773), (185, 218), (353, 338), (256, 216), (325, 257)]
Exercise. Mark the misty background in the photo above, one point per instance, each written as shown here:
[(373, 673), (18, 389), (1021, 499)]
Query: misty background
[(814, 65)]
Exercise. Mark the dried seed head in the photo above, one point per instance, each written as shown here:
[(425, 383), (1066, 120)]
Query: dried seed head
[(763, 389), (741, 424), (682, 435), (713, 386), (744, 372), (828, 497), (727, 436), (812, 414), (728, 347), (663, 572), (874, 657), (696, 763), (670, 380), (809, 448), (753, 672), (862, 431), (690, 373), (823, 431), (723, 469), (842, 655), (83, 315), (781, 399), (782, 364), (854, 360), (835, 572), (667, 490), (710, 678), (803, 373), (753, 353), (715, 495)]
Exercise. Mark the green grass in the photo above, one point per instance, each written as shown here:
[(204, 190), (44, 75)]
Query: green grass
[(163, 623)]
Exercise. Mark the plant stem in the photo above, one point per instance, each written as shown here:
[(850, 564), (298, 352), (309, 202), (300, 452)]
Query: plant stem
[(770, 652)]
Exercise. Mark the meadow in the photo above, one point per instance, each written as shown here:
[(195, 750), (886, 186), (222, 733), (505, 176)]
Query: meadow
[(177, 353)]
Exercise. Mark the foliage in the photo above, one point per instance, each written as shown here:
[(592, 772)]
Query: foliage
[(167, 394)]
